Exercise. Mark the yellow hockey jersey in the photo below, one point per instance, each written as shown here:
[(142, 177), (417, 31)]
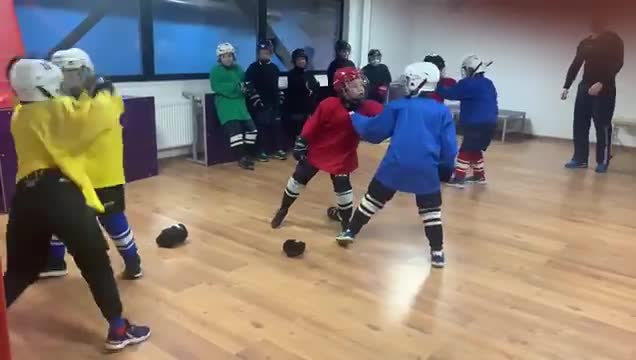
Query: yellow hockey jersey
[(105, 158), (59, 133)]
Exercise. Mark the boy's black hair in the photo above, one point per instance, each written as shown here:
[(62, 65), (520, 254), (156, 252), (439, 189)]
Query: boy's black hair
[(10, 64)]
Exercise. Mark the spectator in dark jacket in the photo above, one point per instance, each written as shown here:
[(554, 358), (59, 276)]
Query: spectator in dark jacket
[(302, 88)]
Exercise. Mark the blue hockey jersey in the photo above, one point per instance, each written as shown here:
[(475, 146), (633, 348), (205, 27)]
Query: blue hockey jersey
[(478, 99), (423, 139)]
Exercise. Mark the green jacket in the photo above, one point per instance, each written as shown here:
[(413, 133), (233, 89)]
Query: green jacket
[(229, 97)]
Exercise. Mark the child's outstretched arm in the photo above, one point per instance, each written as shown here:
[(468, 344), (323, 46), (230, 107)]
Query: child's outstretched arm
[(378, 128), (459, 91)]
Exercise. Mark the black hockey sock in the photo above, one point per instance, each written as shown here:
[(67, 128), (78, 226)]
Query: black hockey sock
[(367, 208), (344, 196), (432, 219), (292, 192), (250, 142)]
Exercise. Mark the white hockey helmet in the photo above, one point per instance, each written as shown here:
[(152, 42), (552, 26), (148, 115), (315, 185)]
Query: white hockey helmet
[(35, 80), (421, 77), (473, 65), (225, 48), (72, 59)]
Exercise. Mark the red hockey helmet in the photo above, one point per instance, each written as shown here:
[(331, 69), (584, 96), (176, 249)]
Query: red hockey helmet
[(344, 76)]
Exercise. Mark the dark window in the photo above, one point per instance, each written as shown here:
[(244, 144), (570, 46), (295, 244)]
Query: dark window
[(113, 42), (314, 25), (186, 33)]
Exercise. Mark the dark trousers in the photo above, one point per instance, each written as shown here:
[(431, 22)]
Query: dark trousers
[(270, 131), (601, 109), (295, 123), (47, 204), (242, 135)]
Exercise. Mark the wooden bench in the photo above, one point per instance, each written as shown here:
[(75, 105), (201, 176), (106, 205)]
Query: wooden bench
[(505, 116), (621, 122)]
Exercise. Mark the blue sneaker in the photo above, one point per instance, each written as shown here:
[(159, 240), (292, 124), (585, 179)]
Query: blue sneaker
[(127, 335), (345, 238), (601, 168), (575, 164), (437, 259)]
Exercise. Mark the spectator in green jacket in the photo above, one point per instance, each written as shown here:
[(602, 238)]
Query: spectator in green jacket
[(227, 81)]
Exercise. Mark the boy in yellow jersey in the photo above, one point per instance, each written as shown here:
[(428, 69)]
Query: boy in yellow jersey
[(54, 195), (105, 168)]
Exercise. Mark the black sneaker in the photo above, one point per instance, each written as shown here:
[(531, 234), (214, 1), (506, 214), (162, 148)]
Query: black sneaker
[(278, 219), (130, 335), (345, 238), (133, 270), (246, 163), (478, 180), (262, 157), (280, 155), (437, 259), (334, 214), (54, 270)]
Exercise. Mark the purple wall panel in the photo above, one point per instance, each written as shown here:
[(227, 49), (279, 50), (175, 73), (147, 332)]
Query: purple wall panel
[(8, 162), (217, 144), (140, 139)]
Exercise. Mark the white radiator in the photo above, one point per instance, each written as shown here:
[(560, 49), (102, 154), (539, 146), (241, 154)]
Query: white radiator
[(174, 120)]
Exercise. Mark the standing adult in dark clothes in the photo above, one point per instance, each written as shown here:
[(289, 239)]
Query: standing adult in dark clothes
[(378, 75), (343, 50), (302, 88), (601, 55)]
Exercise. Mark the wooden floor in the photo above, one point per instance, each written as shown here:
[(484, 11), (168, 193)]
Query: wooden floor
[(541, 265)]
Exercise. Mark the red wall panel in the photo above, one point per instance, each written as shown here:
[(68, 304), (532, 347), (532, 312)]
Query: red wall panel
[(10, 46)]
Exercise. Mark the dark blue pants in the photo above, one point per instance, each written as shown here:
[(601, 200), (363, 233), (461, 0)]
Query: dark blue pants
[(270, 131), (601, 109)]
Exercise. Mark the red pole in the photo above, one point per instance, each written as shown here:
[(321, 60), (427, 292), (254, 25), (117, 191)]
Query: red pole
[(5, 351)]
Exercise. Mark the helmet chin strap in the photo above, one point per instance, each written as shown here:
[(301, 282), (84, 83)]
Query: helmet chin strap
[(417, 90), (44, 92)]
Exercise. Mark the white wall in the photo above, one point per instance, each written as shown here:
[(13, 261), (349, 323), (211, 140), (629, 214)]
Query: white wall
[(531, 50), (380, 24), (531, 55)]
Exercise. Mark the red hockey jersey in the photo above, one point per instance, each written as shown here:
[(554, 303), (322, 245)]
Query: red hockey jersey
[(444, 82), (333, 142)]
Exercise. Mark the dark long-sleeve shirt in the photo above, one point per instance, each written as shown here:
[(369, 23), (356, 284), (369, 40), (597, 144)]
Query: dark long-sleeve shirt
[(264, 79), (378, 75), (302, 88), (603, 57)]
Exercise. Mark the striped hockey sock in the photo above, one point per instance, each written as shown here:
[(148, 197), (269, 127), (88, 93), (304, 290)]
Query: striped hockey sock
[(432, 219), (116, 225), (462, 165)]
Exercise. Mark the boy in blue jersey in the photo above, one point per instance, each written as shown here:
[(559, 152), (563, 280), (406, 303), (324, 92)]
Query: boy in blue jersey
[(423, 148), (478, 118)]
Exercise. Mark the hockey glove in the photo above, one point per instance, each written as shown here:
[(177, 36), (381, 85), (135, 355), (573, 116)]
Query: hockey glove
[(382, 90), (256, 102), (300, 149), (103, 85)]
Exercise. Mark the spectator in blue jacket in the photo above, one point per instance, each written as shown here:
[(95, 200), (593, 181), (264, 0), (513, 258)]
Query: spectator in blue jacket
[(421, 155), (478, 118)]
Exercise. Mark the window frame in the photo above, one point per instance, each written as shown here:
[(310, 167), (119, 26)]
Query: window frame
[(146, 37)]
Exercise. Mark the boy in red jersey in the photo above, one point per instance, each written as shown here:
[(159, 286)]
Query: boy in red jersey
[(328, 142)]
